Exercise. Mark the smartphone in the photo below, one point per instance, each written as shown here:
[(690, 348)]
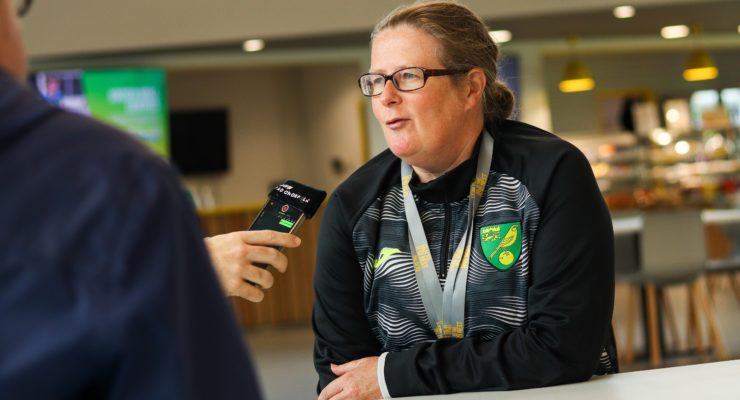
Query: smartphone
[(287, 206), (278, 216)]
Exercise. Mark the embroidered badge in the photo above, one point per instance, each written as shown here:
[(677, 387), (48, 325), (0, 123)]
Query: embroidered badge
[(502, 244)]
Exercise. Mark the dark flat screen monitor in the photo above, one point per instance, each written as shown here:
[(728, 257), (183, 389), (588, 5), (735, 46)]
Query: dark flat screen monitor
[(199, 141)]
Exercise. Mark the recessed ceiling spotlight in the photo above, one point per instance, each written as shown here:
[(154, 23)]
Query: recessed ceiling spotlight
[(674, 31), (501, 36), (253, 45), (624, 12)]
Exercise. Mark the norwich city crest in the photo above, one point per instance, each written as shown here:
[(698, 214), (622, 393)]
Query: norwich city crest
[(502, 244)]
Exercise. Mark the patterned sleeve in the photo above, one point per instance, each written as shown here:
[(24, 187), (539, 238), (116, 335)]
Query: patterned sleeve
[(342, 331)]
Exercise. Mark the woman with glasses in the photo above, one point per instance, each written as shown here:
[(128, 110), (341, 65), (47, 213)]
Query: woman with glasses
[(476, 253)]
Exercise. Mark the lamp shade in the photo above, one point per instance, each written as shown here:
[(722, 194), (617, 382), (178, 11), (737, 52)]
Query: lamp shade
[(576, 78), (700, 67)]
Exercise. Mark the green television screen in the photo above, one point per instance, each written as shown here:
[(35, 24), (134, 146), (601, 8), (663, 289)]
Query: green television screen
[(133, 100)]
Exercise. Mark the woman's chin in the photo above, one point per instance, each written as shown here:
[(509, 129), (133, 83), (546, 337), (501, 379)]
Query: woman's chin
[(401, 151), (399, 145)]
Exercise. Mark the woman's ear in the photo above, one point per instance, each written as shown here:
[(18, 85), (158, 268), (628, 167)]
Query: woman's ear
[(476, 87)]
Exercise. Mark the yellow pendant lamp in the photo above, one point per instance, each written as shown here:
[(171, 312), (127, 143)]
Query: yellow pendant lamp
[(700, 67), (577, 78)]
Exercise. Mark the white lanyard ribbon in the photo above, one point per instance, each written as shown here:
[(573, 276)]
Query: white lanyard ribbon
[(446, 310)]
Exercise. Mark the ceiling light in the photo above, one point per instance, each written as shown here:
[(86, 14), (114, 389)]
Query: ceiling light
[(677, 116), (577, 78), (501, 36), (674, 31), (682, 147), (661, 136), (253, 45), (672, 115), (714, 144), (700, 67), (624, 12)]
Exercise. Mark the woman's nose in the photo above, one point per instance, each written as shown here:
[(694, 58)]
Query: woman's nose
[(390, 94)]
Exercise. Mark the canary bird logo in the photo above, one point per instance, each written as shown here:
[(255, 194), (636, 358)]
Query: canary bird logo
[(502, 251)]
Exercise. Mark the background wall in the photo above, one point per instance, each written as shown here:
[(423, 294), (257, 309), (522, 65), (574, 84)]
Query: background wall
[(285, 123)]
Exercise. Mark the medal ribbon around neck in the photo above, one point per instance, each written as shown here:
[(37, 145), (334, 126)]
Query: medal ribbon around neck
[(445, 310)]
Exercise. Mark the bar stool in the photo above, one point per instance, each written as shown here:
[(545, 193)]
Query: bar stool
[(723, 243), (626, 267), (671, 250)]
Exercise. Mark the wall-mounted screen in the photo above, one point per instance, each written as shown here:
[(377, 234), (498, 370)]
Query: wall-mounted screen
[(133, 100), (199, 140)]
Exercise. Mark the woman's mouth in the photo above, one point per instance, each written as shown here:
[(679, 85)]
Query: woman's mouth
[(396, 123)]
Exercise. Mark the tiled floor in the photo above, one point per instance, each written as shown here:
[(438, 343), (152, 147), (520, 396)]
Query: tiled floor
[(284, 356), (284, 359)]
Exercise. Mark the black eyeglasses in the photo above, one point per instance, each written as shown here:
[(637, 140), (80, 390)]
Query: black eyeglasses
[(405, 80), (22, 6)]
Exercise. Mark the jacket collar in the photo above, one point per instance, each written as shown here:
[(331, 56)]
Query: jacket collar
[(452, 186)]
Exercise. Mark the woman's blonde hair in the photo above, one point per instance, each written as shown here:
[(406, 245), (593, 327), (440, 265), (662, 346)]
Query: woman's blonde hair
[(464, 43)]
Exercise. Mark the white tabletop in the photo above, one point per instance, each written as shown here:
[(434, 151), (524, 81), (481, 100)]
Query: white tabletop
[(728, 216), (627, 225), (715, 381), (632, 224)]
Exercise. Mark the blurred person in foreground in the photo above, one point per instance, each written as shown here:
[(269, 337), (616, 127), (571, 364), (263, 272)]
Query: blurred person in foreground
[(106, 287), (476, 253)]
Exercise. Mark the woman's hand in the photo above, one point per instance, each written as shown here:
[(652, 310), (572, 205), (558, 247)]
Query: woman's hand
[(235, 255), (357, 380)]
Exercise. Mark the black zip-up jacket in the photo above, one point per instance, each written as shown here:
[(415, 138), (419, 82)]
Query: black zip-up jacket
[(543, 319)]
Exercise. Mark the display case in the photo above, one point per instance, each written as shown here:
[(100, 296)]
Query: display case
[(697, 168)]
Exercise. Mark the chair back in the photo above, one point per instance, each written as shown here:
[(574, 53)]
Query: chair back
[(626, 255), (672, 245)]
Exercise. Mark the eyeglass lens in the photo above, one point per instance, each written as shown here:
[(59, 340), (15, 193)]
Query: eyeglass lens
[(404, 80)]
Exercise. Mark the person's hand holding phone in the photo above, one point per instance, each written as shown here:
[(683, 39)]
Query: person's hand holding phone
[(235, 257)]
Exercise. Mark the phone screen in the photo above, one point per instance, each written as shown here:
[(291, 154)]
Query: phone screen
[(278, 216)]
